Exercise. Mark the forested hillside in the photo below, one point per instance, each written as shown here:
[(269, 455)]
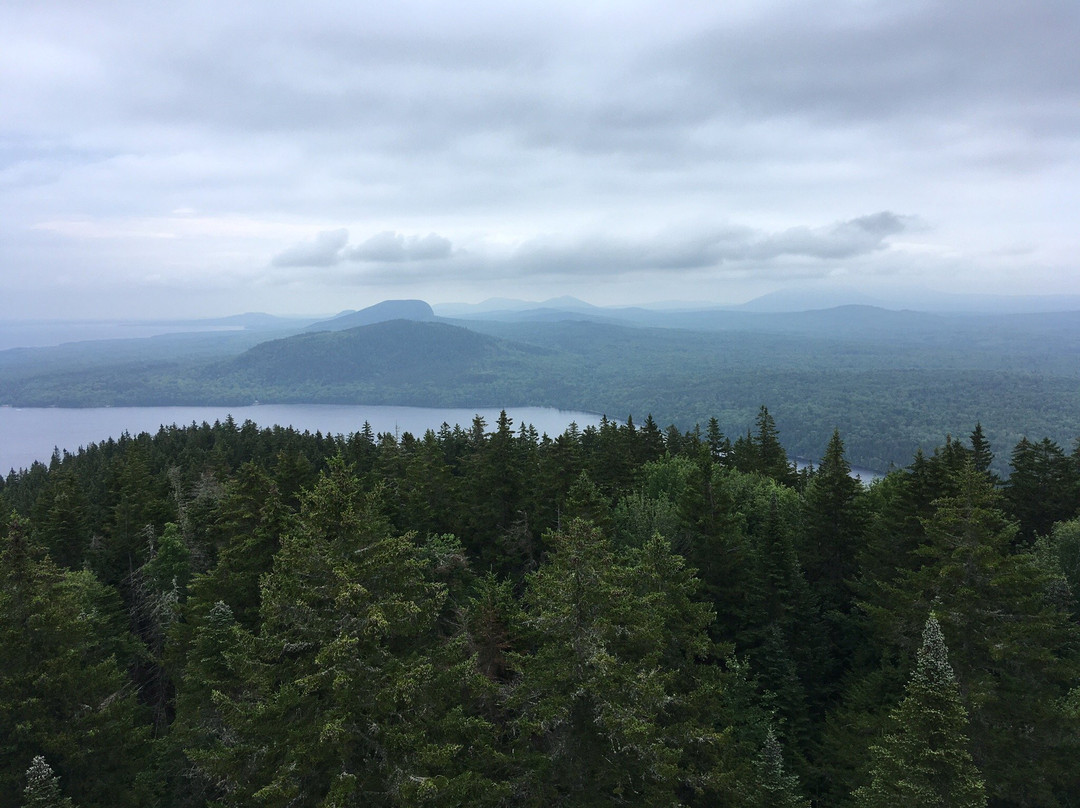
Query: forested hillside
[(891, 382), (219, 615)]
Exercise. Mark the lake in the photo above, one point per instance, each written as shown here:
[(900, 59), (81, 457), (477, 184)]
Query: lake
[(866, 475), (31, 434)]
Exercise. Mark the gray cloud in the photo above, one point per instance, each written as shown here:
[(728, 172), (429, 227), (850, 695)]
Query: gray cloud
[(484, 125), (323, 251), (860, 236), (711, 247), (391, 247), (330, 247), (391, 257), (999, 62)]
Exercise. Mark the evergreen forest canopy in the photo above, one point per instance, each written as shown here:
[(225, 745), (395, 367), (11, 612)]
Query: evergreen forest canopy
[(891, 382), (222, 615)]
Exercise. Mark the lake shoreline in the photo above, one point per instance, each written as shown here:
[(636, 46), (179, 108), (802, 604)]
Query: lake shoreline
[(31, 434)]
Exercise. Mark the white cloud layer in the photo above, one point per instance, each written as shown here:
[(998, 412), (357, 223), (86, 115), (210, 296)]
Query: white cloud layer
[(476, 149)]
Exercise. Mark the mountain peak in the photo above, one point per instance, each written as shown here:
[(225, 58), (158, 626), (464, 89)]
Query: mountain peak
[(416, 310)]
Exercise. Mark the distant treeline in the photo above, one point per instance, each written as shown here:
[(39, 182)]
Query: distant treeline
[(223, 615), (889, 394)]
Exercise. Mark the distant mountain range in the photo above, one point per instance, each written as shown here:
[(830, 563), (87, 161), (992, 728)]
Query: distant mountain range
[(794, 300), (797, 299), (415, 310), (891, 380)]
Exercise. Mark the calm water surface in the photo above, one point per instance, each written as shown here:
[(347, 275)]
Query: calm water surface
[(31, 434)]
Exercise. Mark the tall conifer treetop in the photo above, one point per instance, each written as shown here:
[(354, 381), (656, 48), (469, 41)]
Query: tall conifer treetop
[(924, 760), (43, 787)]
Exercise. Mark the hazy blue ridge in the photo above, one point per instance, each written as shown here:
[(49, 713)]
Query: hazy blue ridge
[(416, 310), (890, 381)]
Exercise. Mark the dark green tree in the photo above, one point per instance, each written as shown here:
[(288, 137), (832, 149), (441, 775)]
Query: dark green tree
[(200, 738), (981, 456), (923, 759), (1014, 647), (719, 445), (1043, 488), (778, 789), (651, 439), (833, 528), (1060, 552), (43, 787), (613, 705), (772, 458), (139, 504), (61, 519), (250, 519), (586, 501), (62, 691), (355, 698), (430, 492), (783, 634)]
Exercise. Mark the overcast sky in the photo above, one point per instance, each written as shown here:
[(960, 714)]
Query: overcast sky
[(209, 158)]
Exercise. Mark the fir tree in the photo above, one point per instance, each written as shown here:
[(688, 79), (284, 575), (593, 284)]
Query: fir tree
[(981, 456), (1014, 647), (350, 695), (61, 519), (614, 706), (719, 445), (776, 788), (923, 760), (43, 787), (834, 523), (761, 452), (1060, 553), (62, 690), (1043, 487), (199, 736)]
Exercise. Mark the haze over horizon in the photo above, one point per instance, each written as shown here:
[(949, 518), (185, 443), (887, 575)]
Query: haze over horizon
[(201, 160)]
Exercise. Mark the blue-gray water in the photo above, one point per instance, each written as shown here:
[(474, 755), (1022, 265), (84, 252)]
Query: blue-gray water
[(48, 333), (31, 434), (866, 475)]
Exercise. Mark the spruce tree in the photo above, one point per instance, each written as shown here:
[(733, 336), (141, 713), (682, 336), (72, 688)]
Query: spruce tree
[(200, 738), (43, 787), (981, 456), (786, 636), (1014, 647), (250, 518), (350, 695), (1060, 554), (1044, 487), (614, 704), (62, 690), (61, 519), (772, 459), (776, 788), (719, 445), (923, 760), (833, 528)]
